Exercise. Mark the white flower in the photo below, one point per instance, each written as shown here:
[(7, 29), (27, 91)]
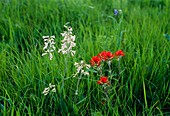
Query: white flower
[(51, 86), (68, 42), (48, 46), (120, 11), (48, 89), (76, 93), (53, 90), (81, 68)]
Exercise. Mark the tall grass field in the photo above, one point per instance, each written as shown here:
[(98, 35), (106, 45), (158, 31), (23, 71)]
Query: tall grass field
[(134, 79)]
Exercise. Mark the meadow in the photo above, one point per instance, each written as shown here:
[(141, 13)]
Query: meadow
[(141, 30)]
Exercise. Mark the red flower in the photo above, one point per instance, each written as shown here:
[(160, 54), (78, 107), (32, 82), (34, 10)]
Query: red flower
[(105, 55), (95, 61), (119, 53), (103, 80)]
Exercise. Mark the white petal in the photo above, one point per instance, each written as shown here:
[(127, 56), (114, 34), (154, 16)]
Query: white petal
[(44, 54), (52, 36), (45, 37), (53, 90), (51, 86), (46, 91), (46, 45)]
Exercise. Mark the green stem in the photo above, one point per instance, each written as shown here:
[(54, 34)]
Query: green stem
[(76, 93), (109, 64), (65, 70), (119, 68), (144, 93), (110, 70), (107, 97), (100, 70)]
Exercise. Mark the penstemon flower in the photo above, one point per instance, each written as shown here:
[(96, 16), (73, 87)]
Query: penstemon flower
[(81, 68), (48, 89), (68, 42), (48, 46)]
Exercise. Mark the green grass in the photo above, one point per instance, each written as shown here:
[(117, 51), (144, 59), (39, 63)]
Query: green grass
[(145, 82)]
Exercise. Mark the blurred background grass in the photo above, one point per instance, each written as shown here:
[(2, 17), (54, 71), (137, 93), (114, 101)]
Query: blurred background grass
[(24, 73)]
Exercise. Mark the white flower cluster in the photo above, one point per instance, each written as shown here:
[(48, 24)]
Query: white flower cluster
[(49, 46), (68, 42), (48, 89), (80, 68)]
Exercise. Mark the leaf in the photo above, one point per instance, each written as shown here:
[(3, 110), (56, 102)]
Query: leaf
[(92, 70), (96, 114), (1, 106), (167, 36), (9, 101), (75, 109)]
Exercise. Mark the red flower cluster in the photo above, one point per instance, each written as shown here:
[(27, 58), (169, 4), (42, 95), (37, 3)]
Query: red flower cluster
[(119, 53), (95, 61), (103, 80), (104, 56)]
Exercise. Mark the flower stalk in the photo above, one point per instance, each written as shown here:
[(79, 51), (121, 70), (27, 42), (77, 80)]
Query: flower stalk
[(68, 43), (82, 70)]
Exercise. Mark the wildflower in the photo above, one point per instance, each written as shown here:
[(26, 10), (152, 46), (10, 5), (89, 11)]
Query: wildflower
[(103, 80), (68, 42), (105, 55), (48, 46), (81, 68), (48, 89), (95, 61), (120, 11), (76, 93), (119, 53), (117, 12)]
